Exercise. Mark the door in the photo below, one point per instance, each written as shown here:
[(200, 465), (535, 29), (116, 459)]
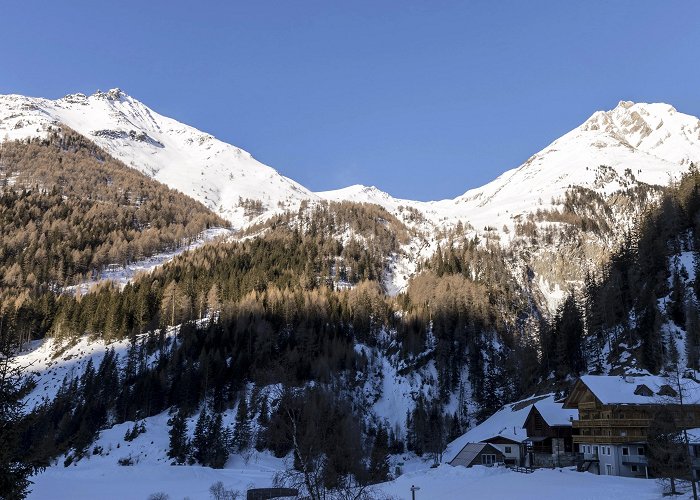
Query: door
[(608, 469)]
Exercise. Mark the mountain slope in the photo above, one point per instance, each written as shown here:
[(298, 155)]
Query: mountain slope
[(640, 143), (217, 174), (607, 170)]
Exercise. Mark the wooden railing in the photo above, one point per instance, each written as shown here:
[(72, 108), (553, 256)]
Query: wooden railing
[(611, 422), (522, 470), (634, 459), (608, 439)]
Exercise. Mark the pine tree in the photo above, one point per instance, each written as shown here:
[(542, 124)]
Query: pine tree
[(218, 443), (676, 304), (179, 444), (14, 471), (241, 432), (200, 443), (692, 338), (379, 457)]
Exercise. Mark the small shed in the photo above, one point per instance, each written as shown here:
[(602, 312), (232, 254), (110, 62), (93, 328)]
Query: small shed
[(478, 454)]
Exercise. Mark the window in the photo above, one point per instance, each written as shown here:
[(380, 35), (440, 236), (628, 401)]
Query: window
[(643, 390), (667, 390), (609, 450), (625, 451), (508, 449), (488, 459), (640, 451), (595, 450), (634, 468), (589, 448)]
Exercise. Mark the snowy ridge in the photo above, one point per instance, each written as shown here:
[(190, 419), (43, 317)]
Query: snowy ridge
[(654, 141), (215, 173), (641, 143), (629, 146)]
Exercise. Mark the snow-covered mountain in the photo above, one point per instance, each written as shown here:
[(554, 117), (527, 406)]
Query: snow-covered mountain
[(640, 143), (630, 146), (217, 174)]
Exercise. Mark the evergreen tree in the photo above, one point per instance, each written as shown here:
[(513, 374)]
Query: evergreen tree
[(179, 444), (241, 431), (14, 470), (568, 339), (692, 338), (379, 457), (200, 443), (675, 307), (217, 443)]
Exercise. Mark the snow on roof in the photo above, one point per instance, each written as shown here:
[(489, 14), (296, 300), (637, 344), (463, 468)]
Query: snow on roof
[(694, 435), (505, 423), (621, 389), (554, 414), (471, 451)]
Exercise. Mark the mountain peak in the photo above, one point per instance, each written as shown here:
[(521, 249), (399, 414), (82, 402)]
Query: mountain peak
[(625, 104), (114, 94)]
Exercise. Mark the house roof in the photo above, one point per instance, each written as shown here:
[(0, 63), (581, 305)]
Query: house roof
[(694, 436), (472, 450), (610, 389), (554, 414), (506, 423)]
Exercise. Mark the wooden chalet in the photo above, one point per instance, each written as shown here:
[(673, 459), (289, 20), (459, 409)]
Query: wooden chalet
[(505, 431), (550, 436), (614, 415)]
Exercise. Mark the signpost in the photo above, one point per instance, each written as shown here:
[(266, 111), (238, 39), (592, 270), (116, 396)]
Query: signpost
[(413, 491)]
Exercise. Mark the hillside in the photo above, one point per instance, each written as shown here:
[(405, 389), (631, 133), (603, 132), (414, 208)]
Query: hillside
[(567, 204), (68, 210), (334, 321), (226, 179)]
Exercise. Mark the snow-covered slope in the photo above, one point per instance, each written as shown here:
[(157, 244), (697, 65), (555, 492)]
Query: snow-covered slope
[(641, 143), (631, 145), (217, 174), (654, 141)]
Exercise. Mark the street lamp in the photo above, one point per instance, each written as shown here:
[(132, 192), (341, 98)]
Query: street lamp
[(413, 491)]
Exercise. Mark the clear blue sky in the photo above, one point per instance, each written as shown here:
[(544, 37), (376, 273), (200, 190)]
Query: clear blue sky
[(423, 99)]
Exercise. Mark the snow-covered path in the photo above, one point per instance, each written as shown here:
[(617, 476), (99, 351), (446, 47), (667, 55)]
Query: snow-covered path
[(484, 483), (445, 482), (122, 275)]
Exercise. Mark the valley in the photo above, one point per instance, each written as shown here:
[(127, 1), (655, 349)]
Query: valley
[(329, 340)]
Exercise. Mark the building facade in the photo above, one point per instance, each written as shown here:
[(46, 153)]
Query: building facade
[(614, 415), (478, 454), (550, 436)]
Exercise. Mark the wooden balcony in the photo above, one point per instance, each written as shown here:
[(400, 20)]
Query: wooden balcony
[(609, 439), (587, 406), (611, 422), (634, 459)]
